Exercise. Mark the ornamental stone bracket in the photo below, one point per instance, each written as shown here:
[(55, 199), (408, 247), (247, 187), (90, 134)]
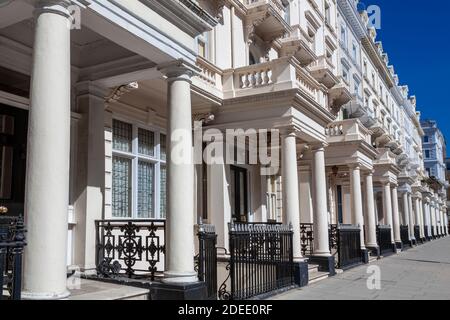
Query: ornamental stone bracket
[(117, 93)]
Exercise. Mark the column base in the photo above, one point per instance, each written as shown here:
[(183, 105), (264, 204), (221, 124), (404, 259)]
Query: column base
[(365, 255), (178, 291), (301, 274), (326, 263), (374, 251), (399, 246), (394, 247), (44, 295)]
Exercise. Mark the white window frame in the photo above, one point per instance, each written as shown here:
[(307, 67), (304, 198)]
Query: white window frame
[(135, 157)]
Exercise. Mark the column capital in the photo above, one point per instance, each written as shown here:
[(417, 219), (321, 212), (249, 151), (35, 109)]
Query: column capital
[(354, 166), (178, 70), (60, 7), (318, 146)]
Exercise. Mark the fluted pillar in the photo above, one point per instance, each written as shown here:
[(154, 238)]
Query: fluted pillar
[(387, 208), (396, 217), (290, 188), (48, 157), (356, 196), (371, 225)]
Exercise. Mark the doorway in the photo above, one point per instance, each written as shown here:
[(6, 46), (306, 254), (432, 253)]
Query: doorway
[(13, 150), (239, 196)]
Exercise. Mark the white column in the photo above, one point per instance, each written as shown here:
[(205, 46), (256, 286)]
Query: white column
[(442, 221), (417, 212), (291, 204), (180, 176), (433, 218), (428, 216), (387, 208), (321, 242), (370, 215), (395, 215), (356, 196), (411, 218), (422, 219), (405, 209), (47, 186)]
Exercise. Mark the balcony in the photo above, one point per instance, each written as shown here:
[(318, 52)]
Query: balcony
[(339, 94), (347, 130), (323, 71), (276, 75), (298, 44), (356, 108), (209, 78), (266, 19), (378, 128)]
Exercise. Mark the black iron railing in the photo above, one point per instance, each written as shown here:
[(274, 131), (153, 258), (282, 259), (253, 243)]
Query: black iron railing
[(384, 239), (131, 248), (404, 235), (207, 258), (427, 233), (433, 235), (307, 238), (261, 260), (12, 243), (417, 233), (333, 239), (349, 246)]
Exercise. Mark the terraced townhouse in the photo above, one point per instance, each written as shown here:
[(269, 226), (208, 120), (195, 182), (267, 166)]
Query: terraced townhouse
[(108, 106)]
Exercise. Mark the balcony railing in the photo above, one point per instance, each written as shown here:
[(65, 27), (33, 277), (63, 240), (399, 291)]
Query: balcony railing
[(276, 4), (209, 74), (347, 130), (276, 75)]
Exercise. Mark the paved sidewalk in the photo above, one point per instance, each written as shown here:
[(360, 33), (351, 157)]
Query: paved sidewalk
[(420, 273)]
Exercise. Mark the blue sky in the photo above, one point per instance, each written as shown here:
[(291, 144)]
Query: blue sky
[(416, 36)]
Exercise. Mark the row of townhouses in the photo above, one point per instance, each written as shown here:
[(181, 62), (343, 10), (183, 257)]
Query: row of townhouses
[(115, 126)]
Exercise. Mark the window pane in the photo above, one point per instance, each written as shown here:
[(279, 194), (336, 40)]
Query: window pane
[(163, 146), (121, 187), (162, 207), (145, 189), (122, 136), (146, 141)]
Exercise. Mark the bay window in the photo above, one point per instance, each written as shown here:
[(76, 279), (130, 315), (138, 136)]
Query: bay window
[(138, 172)]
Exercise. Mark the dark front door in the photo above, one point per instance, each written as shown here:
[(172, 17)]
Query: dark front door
[(239, 197), (13, 141)]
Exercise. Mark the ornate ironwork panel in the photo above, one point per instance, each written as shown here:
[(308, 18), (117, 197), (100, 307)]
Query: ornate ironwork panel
[(307, 238), (12, 242), (134, 248), (261, 260)]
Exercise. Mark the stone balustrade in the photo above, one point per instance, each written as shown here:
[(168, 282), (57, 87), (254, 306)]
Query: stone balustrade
[(347, 130), (277, 75)]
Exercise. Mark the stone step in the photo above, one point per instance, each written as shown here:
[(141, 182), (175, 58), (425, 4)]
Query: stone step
[(98, 290), (316, 276)]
